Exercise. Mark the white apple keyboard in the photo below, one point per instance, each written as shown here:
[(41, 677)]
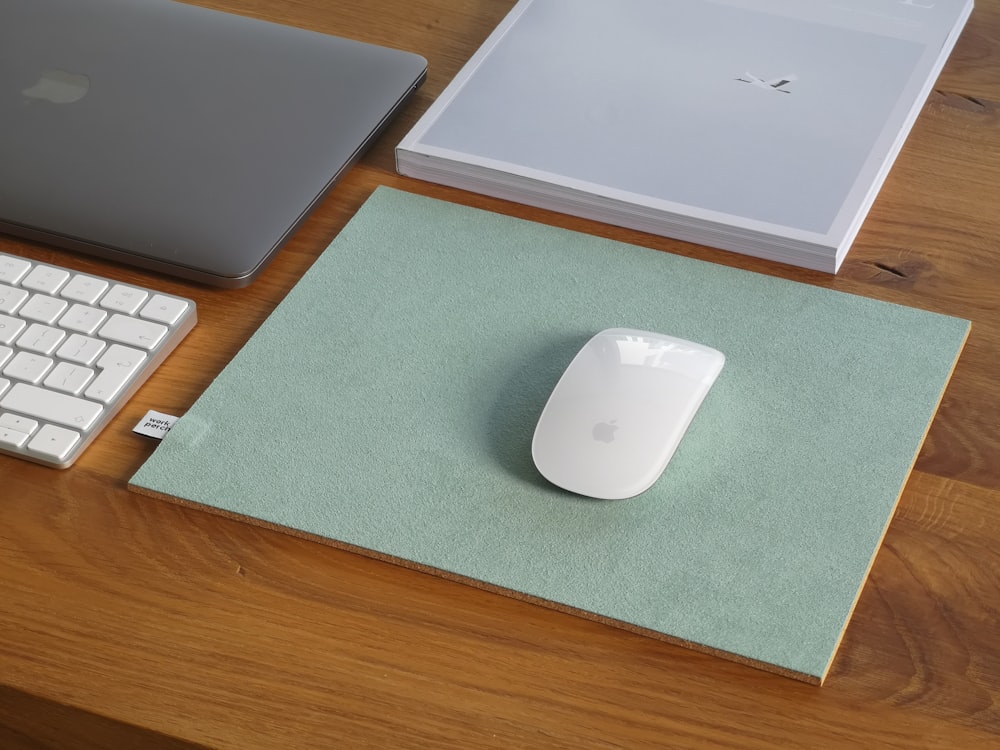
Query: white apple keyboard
[(73, 350)]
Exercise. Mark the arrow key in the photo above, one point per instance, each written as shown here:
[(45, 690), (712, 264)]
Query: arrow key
[(53, 442)]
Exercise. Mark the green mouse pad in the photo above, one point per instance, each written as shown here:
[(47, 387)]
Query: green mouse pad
[(388, 405)]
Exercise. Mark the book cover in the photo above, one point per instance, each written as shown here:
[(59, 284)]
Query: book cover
[(761, 126)]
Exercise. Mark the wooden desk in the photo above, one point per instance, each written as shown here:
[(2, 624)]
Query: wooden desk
[(127, 622)]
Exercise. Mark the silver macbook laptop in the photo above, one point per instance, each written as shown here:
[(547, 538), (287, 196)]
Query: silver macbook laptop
[(176, 138)]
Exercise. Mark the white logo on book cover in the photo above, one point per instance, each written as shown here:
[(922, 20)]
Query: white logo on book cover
[(775, 84)]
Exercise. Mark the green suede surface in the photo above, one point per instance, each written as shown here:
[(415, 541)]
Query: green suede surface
[(389, 403)]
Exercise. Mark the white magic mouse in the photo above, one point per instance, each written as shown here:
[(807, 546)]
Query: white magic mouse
[(619, 411)]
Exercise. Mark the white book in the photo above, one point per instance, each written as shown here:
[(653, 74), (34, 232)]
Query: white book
[(765, 127)]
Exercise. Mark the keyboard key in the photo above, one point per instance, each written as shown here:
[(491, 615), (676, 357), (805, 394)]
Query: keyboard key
[(43, 308), (164, 309), (41, 339), (11, 298), (82, 349), (83, 318), (85, 289), (27, 366), (50, 406), (132, 331), (54, 442), (16, 422), (118, 364), (45, 279), (15, 430), (13, 438), (124, 299), (10, 328), (69, 378), (12, 269)]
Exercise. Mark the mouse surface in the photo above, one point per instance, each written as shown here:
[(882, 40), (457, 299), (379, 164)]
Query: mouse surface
[(619, 411)]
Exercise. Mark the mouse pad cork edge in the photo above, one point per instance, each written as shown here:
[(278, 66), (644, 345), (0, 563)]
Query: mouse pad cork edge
[(404, 432)]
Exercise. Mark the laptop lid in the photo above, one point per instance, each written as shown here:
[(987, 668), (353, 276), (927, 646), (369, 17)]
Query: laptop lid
[(177, 138)]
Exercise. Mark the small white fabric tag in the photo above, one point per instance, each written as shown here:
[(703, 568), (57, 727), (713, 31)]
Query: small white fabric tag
[(155, 424)]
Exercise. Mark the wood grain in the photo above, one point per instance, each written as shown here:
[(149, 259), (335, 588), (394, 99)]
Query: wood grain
[(253, 639), (126, 621)]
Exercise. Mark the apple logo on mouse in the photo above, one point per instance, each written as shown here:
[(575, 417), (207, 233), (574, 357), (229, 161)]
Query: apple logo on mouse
[(605, 431), (59, 87)]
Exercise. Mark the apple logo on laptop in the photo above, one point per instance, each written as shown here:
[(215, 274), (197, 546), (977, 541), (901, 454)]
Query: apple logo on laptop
[(59, 87)]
